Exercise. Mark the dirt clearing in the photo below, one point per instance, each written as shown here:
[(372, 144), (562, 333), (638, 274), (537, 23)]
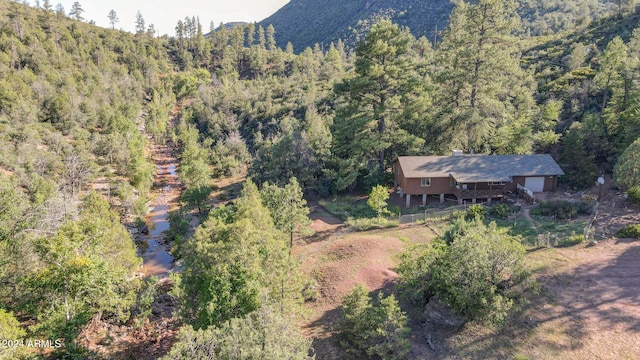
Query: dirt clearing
[(588, 305)]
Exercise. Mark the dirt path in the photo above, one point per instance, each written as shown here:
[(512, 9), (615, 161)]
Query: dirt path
[(527, 215), (596, 302)]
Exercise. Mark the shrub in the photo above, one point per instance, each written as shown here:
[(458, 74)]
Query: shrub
[(562, 209), (266, 333), (482, 273), (369, 224), (572, 240), (584, 207), (147, 295), (394, 209), (475, 212), (634, 194), (502, 211), (178, 225), (631, 231), (374, 329), (378, 200), (10, 330)]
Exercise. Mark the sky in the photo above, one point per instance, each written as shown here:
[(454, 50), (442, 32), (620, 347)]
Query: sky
[(164, 14)]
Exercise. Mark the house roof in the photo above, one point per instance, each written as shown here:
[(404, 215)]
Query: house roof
[(479, 168)]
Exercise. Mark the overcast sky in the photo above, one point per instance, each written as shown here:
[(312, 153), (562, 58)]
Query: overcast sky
[(164, 14)]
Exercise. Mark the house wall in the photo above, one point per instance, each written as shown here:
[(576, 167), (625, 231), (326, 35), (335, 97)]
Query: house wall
[(550, 183), (443, 185), (398, 175), (438, 186)]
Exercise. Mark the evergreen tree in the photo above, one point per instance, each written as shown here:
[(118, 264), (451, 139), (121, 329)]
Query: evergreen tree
[(235, 263), (374, 329), (287, 207), (264, 334), (140, 25), (369, 125), (485, 101), (627, 169), (76, 11), (113, 18)]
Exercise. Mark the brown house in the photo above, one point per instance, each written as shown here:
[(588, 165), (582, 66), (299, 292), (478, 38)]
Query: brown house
[(471, 177)]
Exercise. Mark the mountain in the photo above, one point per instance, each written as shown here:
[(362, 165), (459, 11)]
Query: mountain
[(307, 22)]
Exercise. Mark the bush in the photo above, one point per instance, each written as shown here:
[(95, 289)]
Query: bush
[(482, 273), (178, 226), (634, 194), (475, 212), (147, 295), (584, 207), (572, 240), (502, 211), (562, 209), (631, 231), (10, 330), (394, 209), (369, 224), (266, 333), (374, 329)]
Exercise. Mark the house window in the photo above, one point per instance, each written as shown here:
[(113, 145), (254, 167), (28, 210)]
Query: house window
[(425, 182), (497, 183)]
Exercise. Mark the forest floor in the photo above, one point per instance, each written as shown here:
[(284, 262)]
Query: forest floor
[(588, 305)]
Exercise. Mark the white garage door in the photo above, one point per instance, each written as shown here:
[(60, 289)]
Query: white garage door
[(535, 184)]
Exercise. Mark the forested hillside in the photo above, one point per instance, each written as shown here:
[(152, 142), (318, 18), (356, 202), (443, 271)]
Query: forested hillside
[(306, 22), (71, 99), (79, 105)]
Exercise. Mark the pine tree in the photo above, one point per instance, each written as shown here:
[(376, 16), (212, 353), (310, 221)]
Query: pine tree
[(485, 100), (113, 18), (236, 262), (368, 130), (76, 11), (287, 207), (140, 25)]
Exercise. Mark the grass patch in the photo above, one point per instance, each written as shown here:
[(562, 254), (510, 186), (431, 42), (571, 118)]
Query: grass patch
[(572, 240), (562, 228), (519, 226), (347, 207), (555, 233), (369, 224)]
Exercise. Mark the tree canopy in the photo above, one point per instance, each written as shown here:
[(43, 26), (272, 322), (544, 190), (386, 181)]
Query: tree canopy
[(481, 274)]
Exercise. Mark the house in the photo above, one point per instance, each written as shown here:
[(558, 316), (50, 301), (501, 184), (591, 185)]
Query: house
[(471, 177)]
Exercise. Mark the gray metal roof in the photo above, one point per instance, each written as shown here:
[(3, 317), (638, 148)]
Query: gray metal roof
[(479, 168)]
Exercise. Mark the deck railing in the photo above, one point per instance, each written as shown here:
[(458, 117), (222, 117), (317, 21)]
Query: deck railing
[(479, 194)]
